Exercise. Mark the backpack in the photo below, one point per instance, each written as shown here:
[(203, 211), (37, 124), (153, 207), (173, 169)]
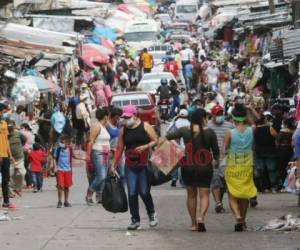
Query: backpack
[(58, 154)]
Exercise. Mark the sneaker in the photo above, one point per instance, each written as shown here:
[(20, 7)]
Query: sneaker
[(273, 191), (59, 204), (9, 206), (153, 221), (89, 201), (99, 198), (34, 190), (134, 225), (67, 204), (219, 208), (173, 184)]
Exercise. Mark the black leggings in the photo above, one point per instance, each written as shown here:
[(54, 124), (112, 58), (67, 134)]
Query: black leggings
[(4, 167), (28, 178)]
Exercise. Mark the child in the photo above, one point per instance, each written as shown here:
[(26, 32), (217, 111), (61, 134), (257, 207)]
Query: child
[(37, 158), (63, 156)]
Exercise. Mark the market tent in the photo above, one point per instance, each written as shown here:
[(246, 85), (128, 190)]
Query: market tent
[(130, 9), (105, 32), (92, 54), (100, 48), (108, 44)]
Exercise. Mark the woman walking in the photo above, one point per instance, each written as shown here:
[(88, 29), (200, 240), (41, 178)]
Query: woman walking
[(136, 138), (197, 167), (239, 166), (99, 142)]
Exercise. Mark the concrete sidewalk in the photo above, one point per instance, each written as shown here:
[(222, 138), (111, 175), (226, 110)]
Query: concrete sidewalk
[(43, 226)]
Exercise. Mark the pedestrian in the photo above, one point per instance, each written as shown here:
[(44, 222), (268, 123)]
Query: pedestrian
[(238, 143), (37, 158), (188, 75), (147, 61), (27, 132), (285, 148), (171, 66), (265, 153), (197, 166), (17, 170), (99, 142), (220, 126), (63, 155), (180, 121), (136, 138), (83, 121), (5, 158), (175, 93), (113, 127)]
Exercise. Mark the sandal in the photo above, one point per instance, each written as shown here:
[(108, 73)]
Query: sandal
[(201, 226), (194, 229)]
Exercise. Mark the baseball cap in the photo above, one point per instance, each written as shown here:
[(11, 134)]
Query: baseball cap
[(217, 109), (183, 113), (129, 111)]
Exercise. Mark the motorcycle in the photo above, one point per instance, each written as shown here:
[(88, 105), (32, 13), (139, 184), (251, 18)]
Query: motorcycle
[(164, 109)]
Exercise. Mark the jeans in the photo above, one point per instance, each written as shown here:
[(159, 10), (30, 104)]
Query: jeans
[(271, 167), (37, 180), (138, 184), (100, 163), (28, 179), (4, 167), (188, 82), (175, 104)]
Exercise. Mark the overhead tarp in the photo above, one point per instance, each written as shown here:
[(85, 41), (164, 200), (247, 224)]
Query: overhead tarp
[(54, 24), (105, 32), (36, 35)]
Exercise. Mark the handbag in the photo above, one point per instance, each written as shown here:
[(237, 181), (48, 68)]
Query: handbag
[(155, 176)]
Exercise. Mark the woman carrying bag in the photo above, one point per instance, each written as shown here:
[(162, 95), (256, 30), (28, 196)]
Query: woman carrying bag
[(136, 138), (201, 147)]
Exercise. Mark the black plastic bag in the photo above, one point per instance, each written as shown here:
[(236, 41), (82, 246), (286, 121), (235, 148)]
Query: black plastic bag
[(156, 177), (114, 198)]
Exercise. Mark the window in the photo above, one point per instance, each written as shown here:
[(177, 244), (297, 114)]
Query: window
[(135, 102), (144, 102), (186, 9), (140, 36)]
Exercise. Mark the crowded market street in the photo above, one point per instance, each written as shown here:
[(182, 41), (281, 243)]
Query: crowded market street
[(149, 124), (40, 226)]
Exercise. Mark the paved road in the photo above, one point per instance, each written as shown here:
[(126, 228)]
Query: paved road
[(43, 226)]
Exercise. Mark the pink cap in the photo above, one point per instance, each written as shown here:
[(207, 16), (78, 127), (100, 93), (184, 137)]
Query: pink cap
[(129, 111)]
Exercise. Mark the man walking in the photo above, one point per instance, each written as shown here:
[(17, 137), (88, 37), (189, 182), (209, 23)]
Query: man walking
[(147, 61), (220, 126)]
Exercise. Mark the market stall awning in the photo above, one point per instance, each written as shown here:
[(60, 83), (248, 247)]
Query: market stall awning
[(42, 84), (99, 48), (93, 54), (105, 32)]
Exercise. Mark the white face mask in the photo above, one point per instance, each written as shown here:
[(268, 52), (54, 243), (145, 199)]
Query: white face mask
[(129, 122)]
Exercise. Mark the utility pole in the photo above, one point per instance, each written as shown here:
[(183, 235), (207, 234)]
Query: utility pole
[(271, 6)]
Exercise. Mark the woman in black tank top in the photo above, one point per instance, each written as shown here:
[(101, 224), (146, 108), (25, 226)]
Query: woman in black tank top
[(136, 138)]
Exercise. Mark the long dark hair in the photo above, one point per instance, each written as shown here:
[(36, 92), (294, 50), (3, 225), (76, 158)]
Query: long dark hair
[(198, 116)]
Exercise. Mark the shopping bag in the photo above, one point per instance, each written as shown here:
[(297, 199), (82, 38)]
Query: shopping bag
[(114, 198), (155, 176), (167, 156)]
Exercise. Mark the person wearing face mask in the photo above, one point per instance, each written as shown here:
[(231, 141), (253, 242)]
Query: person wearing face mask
[(64, 155), (220, 127), (99, 142), (136, 138)]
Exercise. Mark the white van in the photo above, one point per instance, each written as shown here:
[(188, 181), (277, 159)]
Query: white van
[(141, 33), (187, 10)]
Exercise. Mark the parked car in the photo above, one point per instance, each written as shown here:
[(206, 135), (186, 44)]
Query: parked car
[(163, 18), (151, 81), (145, 103)]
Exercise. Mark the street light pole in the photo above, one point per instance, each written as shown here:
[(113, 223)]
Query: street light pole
[(271, 6)]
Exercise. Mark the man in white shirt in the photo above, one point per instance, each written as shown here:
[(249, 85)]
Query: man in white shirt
[(212, 73), (186, 55)]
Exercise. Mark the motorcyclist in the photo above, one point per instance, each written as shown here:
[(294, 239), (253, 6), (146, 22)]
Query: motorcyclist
[(164, 90)]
